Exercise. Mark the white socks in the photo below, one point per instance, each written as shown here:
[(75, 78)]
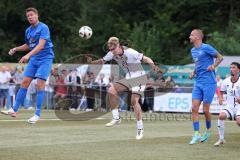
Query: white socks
[(220, 125), (140, 124), (115, 114)]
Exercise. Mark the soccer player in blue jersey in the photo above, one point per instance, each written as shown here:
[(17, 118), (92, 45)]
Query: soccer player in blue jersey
[(40, 56), (205, 85)]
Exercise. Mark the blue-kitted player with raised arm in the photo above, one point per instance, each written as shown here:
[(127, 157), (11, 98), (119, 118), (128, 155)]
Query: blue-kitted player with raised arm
[(205, 84), (40, 56)]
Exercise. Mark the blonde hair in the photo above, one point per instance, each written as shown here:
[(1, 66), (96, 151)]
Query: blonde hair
[(114, 40)]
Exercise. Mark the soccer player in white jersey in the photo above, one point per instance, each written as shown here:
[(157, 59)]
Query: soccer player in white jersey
[(130, 61), (230, 86)]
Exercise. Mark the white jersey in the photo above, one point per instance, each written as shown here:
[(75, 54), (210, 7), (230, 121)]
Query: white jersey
[(129, 61), (232, 89)]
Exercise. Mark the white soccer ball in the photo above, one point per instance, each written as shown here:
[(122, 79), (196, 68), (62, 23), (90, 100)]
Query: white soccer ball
[(85, 32)]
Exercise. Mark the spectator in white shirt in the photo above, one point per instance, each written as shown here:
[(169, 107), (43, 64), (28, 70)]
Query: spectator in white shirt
[(4, 84)]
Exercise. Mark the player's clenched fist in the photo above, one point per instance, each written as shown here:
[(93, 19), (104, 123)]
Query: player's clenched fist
[(12, 51)]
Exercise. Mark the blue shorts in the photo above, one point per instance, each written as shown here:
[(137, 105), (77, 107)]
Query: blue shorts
[(38, 68), (3, 93), (204, 92)]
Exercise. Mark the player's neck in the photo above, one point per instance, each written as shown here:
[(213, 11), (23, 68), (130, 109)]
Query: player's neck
[(234, 78), (197, 44), (35, 24)]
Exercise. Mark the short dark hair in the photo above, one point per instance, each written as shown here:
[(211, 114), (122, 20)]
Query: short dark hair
[(32, 9), (236, 64)]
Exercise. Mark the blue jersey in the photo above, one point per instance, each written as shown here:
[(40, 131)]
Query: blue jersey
[(32, 36), (204, 57)]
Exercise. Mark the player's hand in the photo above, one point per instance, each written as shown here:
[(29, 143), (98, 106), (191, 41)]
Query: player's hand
[(191, 76), (12, 51), (211, 68), (89, 59), (156, 69), (24, 59)]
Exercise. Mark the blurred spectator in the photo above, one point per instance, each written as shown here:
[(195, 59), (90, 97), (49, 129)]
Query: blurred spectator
[(169, 82), (31, 95), (148, 95), (60, 92), (123, 105), (60, 88), (5, 77), (73, 81), (89, 90), (102, 83), (160, 83), (49, 90), (18, 78), (11, 91)]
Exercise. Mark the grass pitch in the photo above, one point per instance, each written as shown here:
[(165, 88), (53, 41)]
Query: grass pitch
[(165, 139)]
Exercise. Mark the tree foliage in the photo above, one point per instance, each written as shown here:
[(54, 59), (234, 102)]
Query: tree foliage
[(159, 29)]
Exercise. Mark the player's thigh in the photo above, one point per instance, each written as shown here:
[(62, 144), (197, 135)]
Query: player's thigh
[(208, 93), (197, 93), (31, 69), (44, 69), (120, 87)]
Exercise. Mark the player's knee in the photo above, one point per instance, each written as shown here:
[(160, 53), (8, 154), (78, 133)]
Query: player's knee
[(222, 116), (40, 85), (195, 109), (134, 101), (25, 83)]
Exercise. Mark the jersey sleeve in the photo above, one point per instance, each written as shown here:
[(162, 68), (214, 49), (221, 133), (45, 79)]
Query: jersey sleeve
[(45, 33), (210, 50), (138, 56), (108, 57), (224, 86)]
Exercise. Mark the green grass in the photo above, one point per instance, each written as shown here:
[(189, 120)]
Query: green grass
[(91, 140)]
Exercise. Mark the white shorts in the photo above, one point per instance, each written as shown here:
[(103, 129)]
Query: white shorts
[(137, 84), (231, 111), (11, 90)]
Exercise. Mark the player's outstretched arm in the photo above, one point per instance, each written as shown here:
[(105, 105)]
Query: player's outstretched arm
[(35, 50), (149, 61), (219, 59), (23, 47), (98, 61)]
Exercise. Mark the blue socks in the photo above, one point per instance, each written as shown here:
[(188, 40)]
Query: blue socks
[(19, 98), (208, 124), (196, 127), (40, 100)]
